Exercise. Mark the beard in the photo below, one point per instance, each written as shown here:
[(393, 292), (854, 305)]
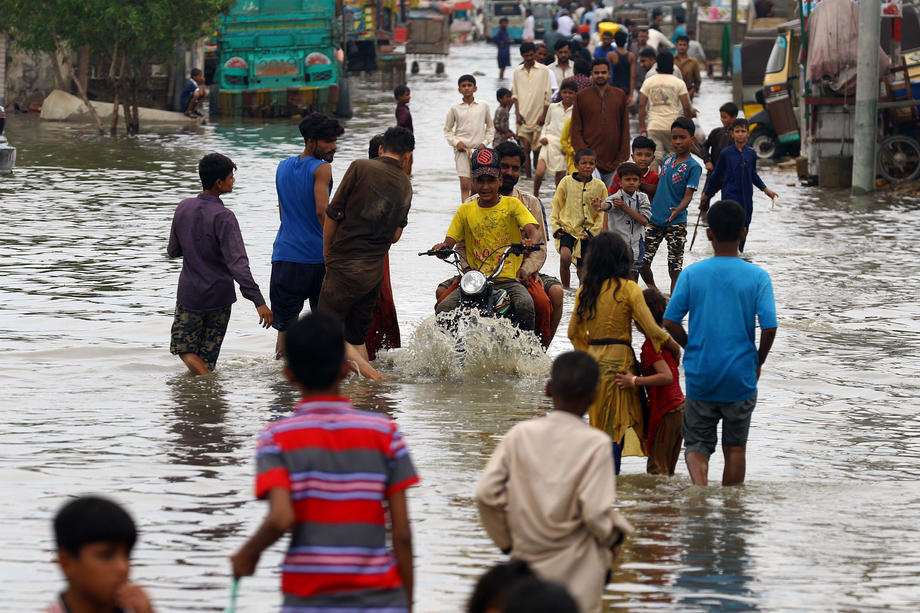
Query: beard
[(507, 184)]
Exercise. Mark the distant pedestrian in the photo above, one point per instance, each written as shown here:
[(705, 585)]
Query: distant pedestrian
[(575, 219), (94, 538), (503, 43), (680, 177), (600, 121), (206, 235), (527, 32), (552, 157), (726, 298), (566, 24), (367, 215), (553, 36), (695, 50), (719, 138), (336, 478), (531, 89), (303, 184), (606, 304), (661, 380), (736, 174), (193, 93), (622, 66), (468, 127), (403, 114), (563, 68), (680, 27), (689, 67), (662, 99), (547, 493), (502, 120)]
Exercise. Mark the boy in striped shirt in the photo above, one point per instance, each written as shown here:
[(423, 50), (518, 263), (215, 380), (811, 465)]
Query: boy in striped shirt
[(332, 474)]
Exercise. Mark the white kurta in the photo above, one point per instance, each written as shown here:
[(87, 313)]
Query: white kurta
[(470, 124), (547, 493), (532, 89), (552, 153)]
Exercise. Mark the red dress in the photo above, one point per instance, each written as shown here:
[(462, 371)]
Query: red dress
[(384, 330)]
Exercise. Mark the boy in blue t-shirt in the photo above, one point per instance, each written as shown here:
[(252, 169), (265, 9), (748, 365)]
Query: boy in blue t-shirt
[(679, 178), (724, 295), (304, 183)]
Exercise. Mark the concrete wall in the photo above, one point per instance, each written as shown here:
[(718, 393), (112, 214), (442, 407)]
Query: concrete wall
[(26, 78)]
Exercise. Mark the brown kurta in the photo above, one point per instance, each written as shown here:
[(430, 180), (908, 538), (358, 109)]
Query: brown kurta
[(601, 122), (547, 493)]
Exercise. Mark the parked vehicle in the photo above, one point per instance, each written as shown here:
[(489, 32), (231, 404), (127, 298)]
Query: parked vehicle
[(496, 9), (279, 57), (775, 128)]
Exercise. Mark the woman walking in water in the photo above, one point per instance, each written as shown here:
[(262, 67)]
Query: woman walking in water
[(606, 304)]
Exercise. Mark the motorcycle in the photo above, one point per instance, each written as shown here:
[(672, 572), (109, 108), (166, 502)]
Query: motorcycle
[(477, 290)]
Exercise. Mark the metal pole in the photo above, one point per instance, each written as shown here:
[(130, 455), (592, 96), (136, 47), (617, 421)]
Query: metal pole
[(737, 85), (867, 84)]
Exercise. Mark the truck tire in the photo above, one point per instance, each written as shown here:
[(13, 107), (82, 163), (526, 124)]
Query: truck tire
[(764, 144)]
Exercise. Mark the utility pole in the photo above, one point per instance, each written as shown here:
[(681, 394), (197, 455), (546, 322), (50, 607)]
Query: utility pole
[(867, 84), (737, 84)]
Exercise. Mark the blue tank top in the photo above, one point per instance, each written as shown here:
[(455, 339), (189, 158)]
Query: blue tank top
[(300, 237), (619, 72)]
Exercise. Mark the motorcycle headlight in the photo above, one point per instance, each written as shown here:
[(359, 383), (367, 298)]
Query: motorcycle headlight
[(472, 283)]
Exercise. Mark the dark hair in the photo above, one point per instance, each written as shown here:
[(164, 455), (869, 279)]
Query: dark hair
[(466, 78), (679, 18), (508, 149), (656, 303), (730, 109), (683, 39), (196, 72), (562, 43), (213, 167), (555, 25), (726, 220), (643, 142), (315, 350), (574, 375), (740, 122), (629, 169), (91, 519), (648, 52), (501, 93), (582, 153), (569, 84), (609, 257), (494, 584), (665, 62), (539, 596), (684, 123), (527, 48), (600, 62), (398, 140), (657, 13), (582, 67), (399, 90), (606, 32), (320, 126), (373, 149), (502, 20), (620, 38)]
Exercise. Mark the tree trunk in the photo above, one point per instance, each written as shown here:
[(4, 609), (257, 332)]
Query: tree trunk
[(136, 113), (82, 77), (81, 87)]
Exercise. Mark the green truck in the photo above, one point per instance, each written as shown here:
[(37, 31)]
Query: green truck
[(277, 58)]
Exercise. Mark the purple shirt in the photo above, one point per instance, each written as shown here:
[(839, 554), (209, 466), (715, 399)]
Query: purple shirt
[(206, 235), (404, 116)]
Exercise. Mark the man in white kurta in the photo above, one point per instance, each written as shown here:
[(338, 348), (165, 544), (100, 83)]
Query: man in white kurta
[(547, 494), (531, 90)]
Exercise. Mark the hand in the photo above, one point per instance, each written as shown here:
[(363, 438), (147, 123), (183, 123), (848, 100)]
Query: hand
[(542, 119), (131, 597), (709, 166), (461, 146), (523, 276), (758, 371), (631, 107), (704, 203), (626, 380), (244, 563), (520, 119), (265, 316), (598, 205), (544, 141), (438, 247), (618, 203), (769, 192), (527, 242), (675, 211), (558, 233)]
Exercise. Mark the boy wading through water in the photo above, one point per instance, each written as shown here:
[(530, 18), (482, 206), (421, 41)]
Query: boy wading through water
[(336, 477), (468, 127), (726, 297), (206, 235), (547, 494)]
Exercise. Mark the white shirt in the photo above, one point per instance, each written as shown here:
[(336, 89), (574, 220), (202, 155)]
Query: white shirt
[(532, 89), (654, 70), (470, 124), (528, 33), (561, 73), (566, 25)]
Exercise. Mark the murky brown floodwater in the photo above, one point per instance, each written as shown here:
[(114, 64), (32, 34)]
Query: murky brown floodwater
[(93, 402)]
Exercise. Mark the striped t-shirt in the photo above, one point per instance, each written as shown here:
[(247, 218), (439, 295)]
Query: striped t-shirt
[(340, 464)]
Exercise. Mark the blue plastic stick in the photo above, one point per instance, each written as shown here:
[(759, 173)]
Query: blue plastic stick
[(234, 588)]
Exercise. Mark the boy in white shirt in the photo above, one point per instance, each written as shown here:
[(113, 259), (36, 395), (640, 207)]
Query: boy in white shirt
[(552, 157), (468, 127)]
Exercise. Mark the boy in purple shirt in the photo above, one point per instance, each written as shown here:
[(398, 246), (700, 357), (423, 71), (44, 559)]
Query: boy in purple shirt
[(206, 235)]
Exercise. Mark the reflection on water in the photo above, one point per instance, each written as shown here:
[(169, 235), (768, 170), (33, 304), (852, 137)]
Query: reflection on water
[(94, 402)]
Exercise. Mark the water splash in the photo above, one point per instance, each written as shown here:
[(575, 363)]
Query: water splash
[(481, 348)]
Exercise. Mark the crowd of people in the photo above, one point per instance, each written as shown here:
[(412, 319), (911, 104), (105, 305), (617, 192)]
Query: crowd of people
[(336, 477)]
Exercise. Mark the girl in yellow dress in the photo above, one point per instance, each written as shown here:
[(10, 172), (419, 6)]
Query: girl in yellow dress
[(607, 303)]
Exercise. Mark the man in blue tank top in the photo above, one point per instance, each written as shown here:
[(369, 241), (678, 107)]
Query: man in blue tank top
[(304, 183)]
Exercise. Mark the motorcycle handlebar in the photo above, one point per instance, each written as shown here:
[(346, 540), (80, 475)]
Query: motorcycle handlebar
[(441, 251)]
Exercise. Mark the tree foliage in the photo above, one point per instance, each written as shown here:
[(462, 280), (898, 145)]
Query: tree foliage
[(129, 34)]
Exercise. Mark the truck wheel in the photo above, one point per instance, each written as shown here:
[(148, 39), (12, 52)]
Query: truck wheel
[(764, 144), (899, 158)]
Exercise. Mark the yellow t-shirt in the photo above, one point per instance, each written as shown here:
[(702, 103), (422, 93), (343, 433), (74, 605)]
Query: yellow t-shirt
[(488, 231)]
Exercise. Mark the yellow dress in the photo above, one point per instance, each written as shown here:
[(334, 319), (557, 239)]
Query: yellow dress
[(565, 139), (617, 412)]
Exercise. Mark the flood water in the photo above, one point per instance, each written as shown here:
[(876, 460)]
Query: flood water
[(94, 402)]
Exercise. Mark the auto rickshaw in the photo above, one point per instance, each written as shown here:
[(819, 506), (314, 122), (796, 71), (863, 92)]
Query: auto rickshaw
[(775, 128)]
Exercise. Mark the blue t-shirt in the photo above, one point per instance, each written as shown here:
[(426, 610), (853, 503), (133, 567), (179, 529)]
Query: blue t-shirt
[(187, 91), (678, 32), (300, 237), (723, 296), (675, 177)]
